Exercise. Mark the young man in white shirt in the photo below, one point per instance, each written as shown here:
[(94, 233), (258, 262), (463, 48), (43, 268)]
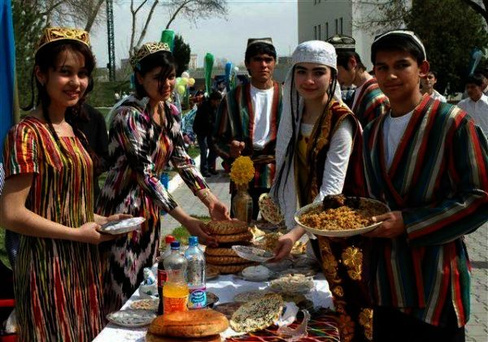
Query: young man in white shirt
[(476, 104), (248, 117), (427, 86)]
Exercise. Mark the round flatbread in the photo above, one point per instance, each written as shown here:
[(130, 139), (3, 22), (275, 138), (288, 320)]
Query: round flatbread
[(245, 297), (257, 314), (227, 227), (211, 272), (216, 251), (232, 269), (154, 338), (227, 309), (242, 237), (216, 260), (269, 210)]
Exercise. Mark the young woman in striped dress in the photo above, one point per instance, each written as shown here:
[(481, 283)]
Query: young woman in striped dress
[(144, 137), (48, 200)]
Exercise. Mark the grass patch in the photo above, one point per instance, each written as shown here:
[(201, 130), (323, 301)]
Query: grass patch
[(181, 233)]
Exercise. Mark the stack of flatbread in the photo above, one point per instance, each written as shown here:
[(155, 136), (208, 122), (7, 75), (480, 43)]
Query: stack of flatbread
[(228, 233)]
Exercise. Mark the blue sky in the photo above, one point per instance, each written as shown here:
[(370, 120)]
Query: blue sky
[(223, 37)]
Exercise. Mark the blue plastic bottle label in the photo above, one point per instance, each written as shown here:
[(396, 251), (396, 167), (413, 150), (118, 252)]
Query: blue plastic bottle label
[(197, 298)]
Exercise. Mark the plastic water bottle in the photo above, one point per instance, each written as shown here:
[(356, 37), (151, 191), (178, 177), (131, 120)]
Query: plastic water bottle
[(175, 290), (196, 275), (162, 275)]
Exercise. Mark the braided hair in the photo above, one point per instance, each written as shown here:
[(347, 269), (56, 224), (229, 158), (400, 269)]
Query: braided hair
[(295, 107)]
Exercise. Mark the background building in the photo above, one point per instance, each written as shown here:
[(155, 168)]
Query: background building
[(321, 19)]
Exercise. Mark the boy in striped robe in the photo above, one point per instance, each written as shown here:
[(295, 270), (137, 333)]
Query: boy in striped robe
[(248, 117), (368, 102), (428, 161)]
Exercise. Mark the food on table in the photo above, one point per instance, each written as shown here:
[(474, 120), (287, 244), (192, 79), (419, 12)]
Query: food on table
[(235, 238), (154, 338), (227, 227), (253, 253), (145, 304), (257, 314), (232, 269), (225, 260), (342, 213), (131, 318), (189, 324), (270, 240), (244, 297), (256, 273), (217, 251), (269, 210), (211, 272), (228, 309), (292, 283)]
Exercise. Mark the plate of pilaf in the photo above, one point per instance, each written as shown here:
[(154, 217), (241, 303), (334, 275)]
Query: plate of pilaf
[(340, 216)]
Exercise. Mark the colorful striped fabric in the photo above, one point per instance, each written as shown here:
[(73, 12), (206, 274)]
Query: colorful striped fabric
[(439, 180), (139, 150), (58, 289), (371, 103), (235, 121)]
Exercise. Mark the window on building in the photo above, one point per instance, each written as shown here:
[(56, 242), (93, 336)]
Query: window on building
[(319, 29), (326, 30), (337, 26), (315, 32), (341, 26)]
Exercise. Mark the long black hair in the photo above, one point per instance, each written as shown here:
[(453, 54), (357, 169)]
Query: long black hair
[(166, 61), (46, 58), (290, 148)]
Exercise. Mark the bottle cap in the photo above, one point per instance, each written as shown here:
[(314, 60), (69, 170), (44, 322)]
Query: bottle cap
[(175, 245), (193, 240), (169, 239)]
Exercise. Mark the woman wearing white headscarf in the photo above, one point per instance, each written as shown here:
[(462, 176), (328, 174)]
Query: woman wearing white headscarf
[(318, 153)]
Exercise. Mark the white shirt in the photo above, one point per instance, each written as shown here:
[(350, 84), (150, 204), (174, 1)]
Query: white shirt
[(337, 160), (356, 95), (262, 103), (438, 96), (477, 110), (393, 130)]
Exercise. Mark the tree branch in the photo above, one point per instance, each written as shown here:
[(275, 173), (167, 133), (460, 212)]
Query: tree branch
[(478, 9), (93, 15), (173, 17), (148, 20)]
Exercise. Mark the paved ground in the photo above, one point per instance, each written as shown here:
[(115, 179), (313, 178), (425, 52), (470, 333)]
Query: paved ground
[(477, 242)]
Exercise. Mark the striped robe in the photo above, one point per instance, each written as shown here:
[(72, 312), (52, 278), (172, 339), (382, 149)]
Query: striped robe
[(235, 121), (139, 150), (371, 103), (439, 180)]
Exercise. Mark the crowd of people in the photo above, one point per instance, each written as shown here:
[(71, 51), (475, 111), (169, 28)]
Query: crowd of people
[(395, 139)]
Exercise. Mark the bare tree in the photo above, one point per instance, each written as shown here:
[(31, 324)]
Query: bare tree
[(80, 13), (192, 10)]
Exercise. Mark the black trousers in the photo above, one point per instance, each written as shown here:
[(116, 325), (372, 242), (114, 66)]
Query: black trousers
[(391, 325)]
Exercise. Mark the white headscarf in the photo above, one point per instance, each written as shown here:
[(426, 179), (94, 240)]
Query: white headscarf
[(285, 193)]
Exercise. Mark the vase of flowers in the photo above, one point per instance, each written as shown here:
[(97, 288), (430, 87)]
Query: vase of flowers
[(241, 173)]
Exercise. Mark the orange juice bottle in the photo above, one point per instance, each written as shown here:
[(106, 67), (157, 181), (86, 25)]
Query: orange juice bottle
[(175, 290)]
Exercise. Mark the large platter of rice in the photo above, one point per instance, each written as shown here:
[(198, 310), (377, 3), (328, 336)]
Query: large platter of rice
[(343, 221)]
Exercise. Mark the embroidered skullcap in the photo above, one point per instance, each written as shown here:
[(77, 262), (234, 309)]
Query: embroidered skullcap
[(54, 34), (410, 35), (266, 40), (315, 51), (146, 50), (342, 43)]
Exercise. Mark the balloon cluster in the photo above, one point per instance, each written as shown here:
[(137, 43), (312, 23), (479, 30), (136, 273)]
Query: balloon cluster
[(183, 82)]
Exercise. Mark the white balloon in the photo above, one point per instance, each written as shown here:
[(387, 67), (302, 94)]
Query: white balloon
[(184, 74), (236, 69)]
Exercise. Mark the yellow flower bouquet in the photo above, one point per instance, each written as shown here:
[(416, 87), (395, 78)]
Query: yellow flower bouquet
[(242, 170)]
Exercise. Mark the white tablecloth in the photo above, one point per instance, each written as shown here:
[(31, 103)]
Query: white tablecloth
[(225, 287)]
